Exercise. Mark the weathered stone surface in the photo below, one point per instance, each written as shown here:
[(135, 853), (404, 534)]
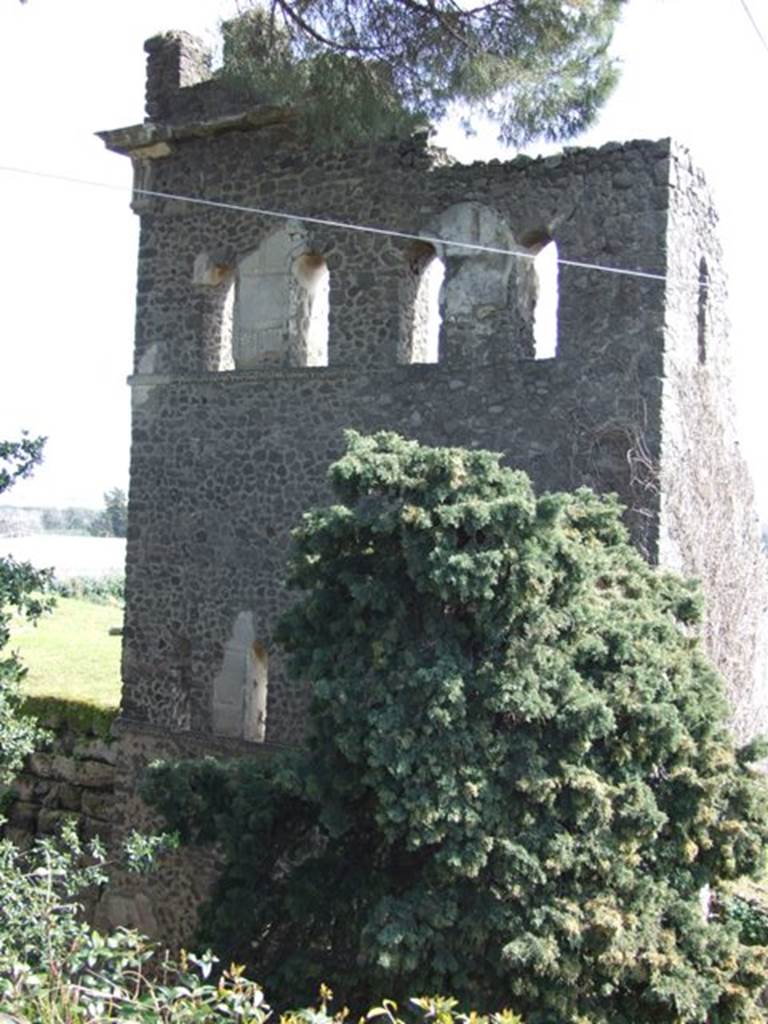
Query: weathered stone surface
[(96, 828), (224, 463), (95, 775), (41, 765), (22, 814), (65, 796), (20, 837), (74, 780), (95, 750), (23, 787), (98, 804)]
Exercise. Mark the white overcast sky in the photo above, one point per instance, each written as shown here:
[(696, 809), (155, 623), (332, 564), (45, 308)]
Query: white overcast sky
[(693, 69)]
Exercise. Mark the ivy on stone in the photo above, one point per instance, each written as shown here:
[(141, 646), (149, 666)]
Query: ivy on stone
[(519, 780)]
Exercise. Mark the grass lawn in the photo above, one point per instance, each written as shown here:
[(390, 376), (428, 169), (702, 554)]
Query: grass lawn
[(70, 654)]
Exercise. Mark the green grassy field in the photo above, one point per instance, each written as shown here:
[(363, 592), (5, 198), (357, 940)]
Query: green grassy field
[(70, 654)]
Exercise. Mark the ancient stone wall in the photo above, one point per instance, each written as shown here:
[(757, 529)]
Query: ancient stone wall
[(249, 454), (235, 416), (72, 779), (267, 323), (606, 206), (709, 525)]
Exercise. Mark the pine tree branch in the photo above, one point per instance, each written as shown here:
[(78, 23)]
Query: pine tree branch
[(305, 26)]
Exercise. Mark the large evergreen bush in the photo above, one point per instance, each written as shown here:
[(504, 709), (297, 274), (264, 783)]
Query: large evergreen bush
[(519, 782)]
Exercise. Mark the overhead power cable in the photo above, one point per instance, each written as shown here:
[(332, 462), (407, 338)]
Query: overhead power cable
[(331, 223), (754, 24)]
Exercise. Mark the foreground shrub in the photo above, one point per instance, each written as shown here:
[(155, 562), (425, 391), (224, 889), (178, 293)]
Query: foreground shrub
[(25, 592), (519, 779), (54, 969)]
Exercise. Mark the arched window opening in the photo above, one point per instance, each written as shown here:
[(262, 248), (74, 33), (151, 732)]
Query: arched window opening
[(539, 295), (216, 282), (312, 306), (280, 315), (480, 298), (426, 316), (702, 311), (239, 705), (256, 684), (226, 359)]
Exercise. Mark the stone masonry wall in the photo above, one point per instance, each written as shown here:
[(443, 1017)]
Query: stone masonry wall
[(71, 780), (708, 519), (225, 464), (604, 206), (228, 449)]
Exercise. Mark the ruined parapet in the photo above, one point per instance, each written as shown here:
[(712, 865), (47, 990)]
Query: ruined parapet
[(175, 60)]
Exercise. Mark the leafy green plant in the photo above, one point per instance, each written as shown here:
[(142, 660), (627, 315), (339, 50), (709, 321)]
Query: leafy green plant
[(61, 714), (55, 969), (519, 777), (24, 591)]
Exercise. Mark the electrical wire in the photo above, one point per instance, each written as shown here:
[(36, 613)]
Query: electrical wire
[(754, 24), (331, 223)]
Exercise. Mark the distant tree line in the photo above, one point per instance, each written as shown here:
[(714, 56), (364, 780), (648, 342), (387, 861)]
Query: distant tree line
[(109, 521)]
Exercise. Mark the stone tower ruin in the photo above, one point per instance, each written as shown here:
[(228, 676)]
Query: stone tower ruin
[(260, 338)]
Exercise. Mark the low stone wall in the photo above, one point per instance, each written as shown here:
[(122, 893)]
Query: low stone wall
[(88, 772), (73, 778)]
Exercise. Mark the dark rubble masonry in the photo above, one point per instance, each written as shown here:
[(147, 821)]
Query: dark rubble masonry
[(259, 339)]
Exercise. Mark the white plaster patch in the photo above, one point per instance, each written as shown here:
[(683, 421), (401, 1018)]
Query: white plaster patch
[(140, 394), (427, 317), (148, 359), (240, 688), (263, 294)]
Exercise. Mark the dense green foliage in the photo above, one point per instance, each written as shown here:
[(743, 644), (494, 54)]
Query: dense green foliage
[(750, 911), (518, 780), (23, 591), (55, 969), (366, 68), (60, 714)]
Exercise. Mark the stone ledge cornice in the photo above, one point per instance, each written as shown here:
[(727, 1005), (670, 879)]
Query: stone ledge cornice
[(150, 140)]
